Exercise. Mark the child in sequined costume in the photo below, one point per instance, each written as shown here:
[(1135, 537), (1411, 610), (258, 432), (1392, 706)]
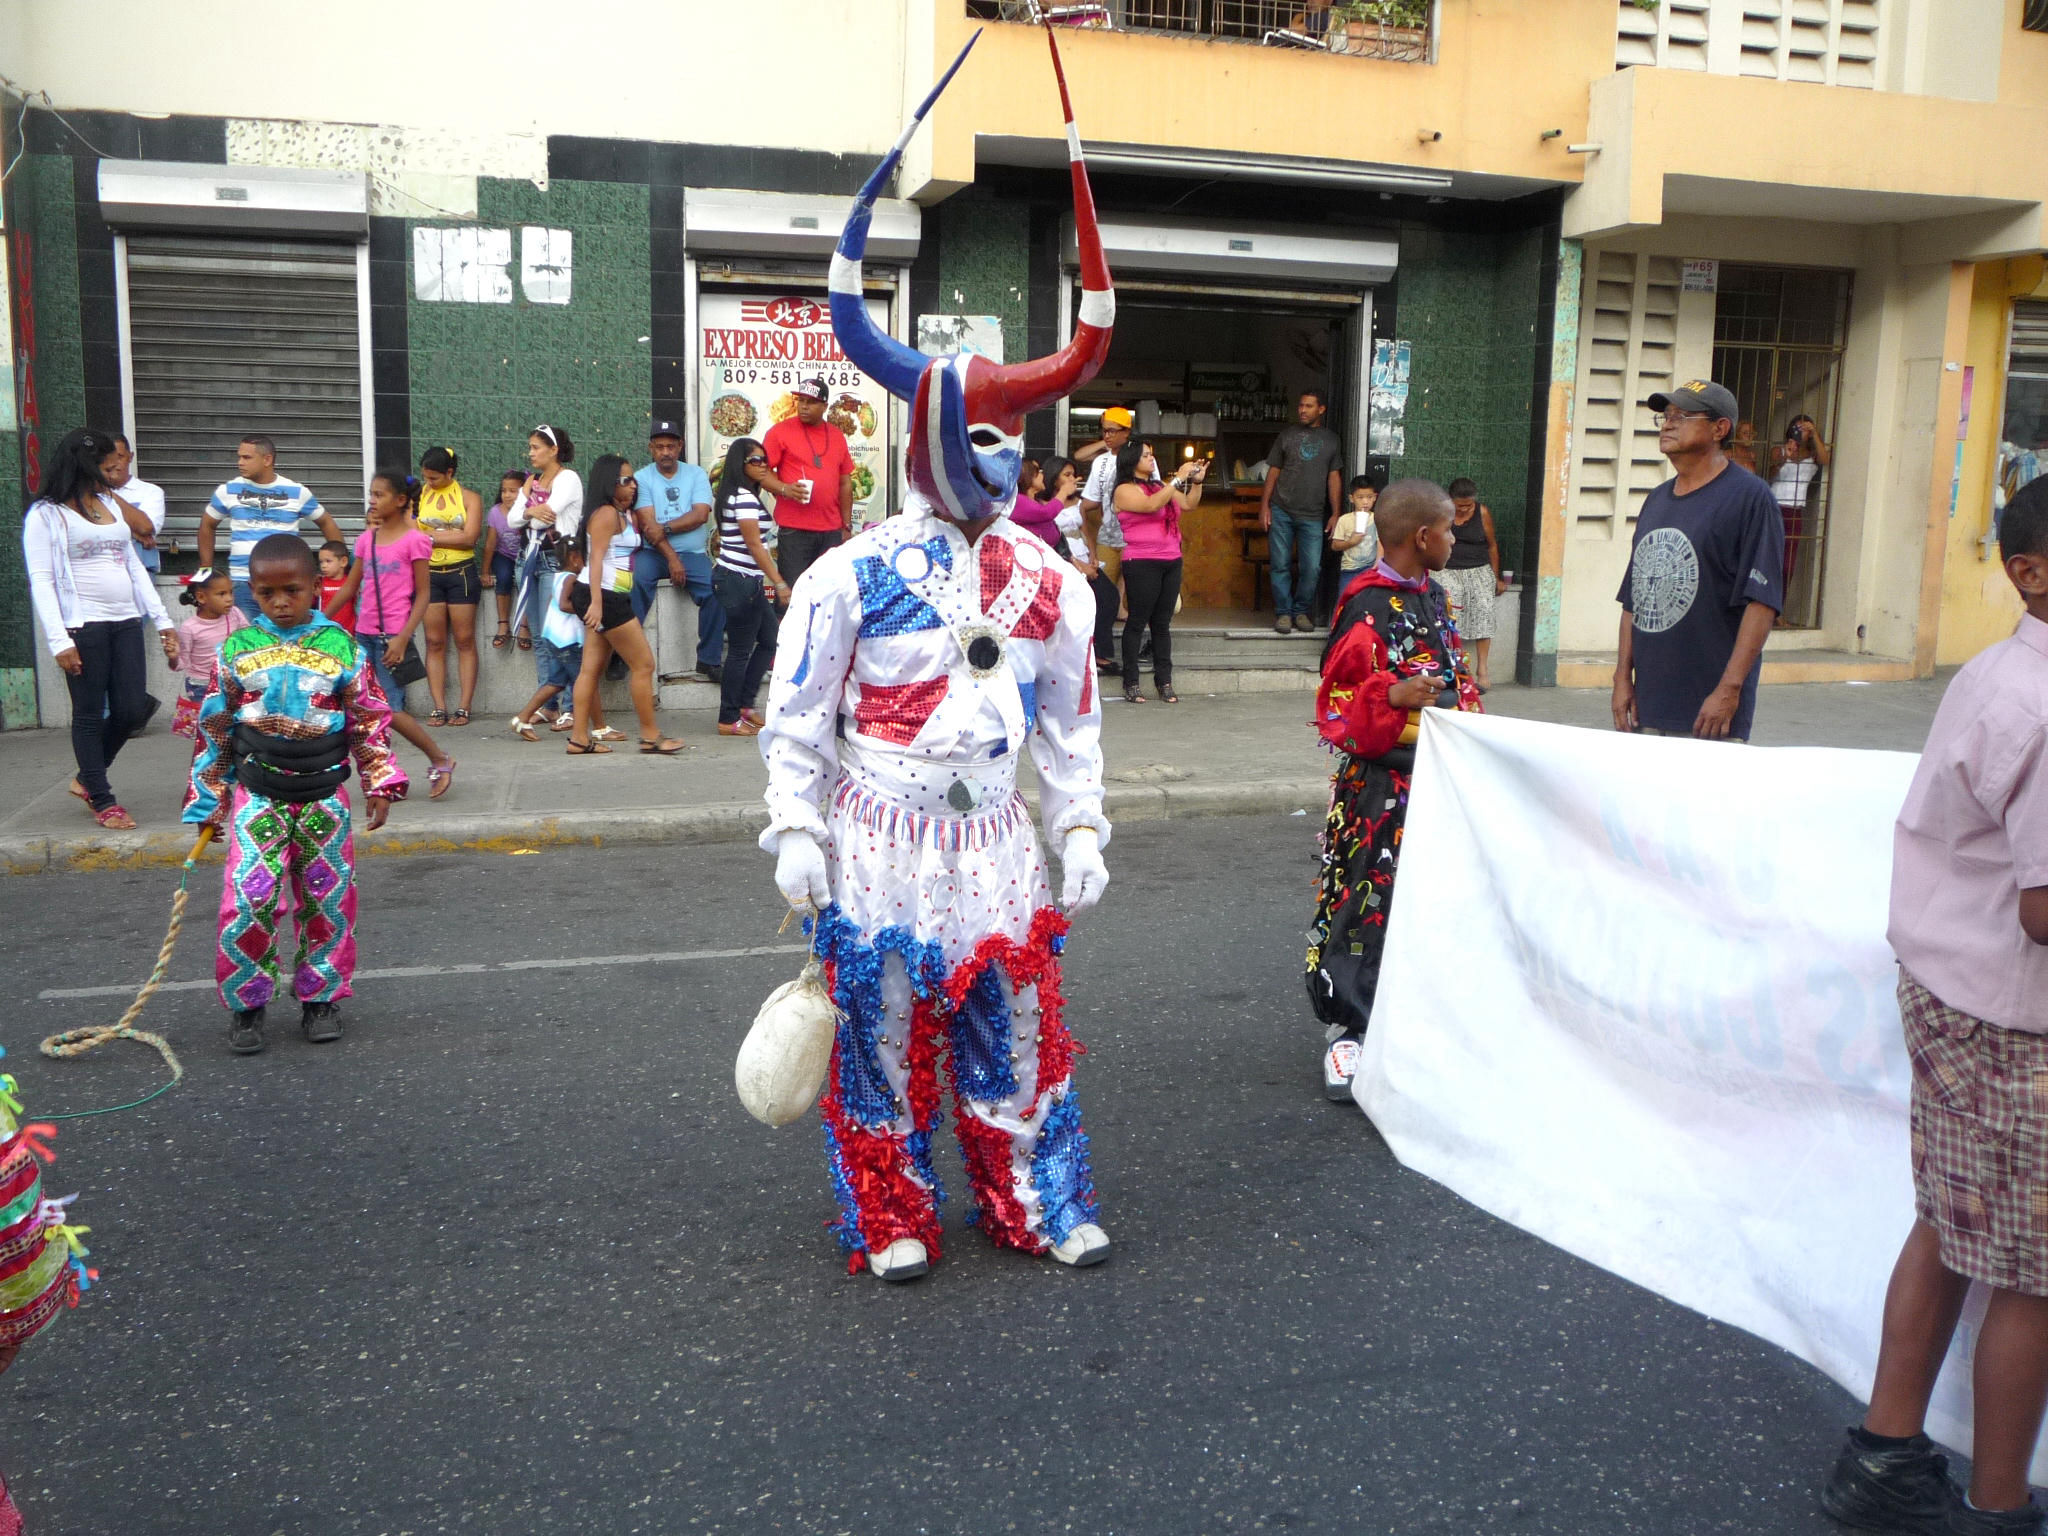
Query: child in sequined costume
[(1393, 652), (917, 662), (293, 700), (42, 1257)]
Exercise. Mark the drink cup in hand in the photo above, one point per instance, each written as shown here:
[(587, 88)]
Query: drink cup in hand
[(803, 491)]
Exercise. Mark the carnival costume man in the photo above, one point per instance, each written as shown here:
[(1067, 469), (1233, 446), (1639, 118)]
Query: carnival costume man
[(916, 662)]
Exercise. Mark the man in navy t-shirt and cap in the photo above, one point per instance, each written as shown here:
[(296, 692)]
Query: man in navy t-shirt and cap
[(1705, 580)]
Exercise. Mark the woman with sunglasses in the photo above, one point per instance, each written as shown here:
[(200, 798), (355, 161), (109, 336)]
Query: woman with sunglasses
[(602, 595), (748, 585)]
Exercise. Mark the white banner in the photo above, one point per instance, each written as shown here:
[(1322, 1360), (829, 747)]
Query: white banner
[(1637, 1000)]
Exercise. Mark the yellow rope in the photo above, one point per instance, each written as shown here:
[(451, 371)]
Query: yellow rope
[(76, 1042)]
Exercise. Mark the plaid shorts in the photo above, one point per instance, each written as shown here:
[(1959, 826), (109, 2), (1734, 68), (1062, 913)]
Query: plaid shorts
[(1980, 1140)]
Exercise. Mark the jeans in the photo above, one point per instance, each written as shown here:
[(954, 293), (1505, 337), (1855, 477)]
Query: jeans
[(649, 568), (537, 587), (799, 547), (109, 700), (751, 623), (1290, 536), (1106, 600), (1151, 587)]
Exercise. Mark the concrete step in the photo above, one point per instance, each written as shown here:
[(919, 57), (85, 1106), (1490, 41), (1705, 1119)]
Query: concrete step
[(1782, 664)]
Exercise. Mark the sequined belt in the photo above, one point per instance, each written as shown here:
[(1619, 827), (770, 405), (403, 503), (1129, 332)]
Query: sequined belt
[(926, 787)]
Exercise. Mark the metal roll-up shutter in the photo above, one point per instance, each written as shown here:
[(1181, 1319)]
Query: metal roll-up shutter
[(230, 336), (2030, 333)]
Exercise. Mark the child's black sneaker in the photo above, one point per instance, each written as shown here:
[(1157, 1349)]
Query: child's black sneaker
[(1902, 1488), (1965, 1521), (321, 1022), (245, 1032)]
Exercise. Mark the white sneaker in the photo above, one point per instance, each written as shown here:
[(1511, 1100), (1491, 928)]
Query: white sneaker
[(1340, 1065), (1086, 1244), (904, 1259)]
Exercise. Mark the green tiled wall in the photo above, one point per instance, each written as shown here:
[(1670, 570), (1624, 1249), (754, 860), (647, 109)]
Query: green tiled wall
[(984, 263), (1468, 305), (483, 375)]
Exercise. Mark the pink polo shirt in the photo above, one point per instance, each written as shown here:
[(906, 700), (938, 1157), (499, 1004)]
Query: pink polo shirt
[(1974, 834)]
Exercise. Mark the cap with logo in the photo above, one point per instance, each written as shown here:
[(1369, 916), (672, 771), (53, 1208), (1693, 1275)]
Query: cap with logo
[(812, 388), (1117, 416), (1716, 400), (665, 429)]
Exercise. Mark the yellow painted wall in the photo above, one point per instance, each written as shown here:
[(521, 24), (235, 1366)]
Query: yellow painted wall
[(1978, 604), (1498, 84)]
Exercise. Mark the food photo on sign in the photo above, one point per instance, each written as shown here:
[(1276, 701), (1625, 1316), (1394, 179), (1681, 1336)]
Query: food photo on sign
[(753, 352)]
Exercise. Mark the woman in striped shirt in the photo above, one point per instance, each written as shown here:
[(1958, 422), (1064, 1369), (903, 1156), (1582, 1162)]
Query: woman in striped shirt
[(748, 586)]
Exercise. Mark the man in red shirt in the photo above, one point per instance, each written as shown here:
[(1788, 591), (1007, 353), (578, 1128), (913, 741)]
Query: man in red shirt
[(810, 474)]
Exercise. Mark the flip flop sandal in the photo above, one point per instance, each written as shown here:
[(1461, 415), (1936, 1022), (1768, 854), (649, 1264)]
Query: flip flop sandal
[(588, 748), (502, 638), (566, 722), (524, 730), (77, 792), (458, 717), (440, 779), (608, 733), (114, 819), (525, 641), (668, 746), (437, 717)]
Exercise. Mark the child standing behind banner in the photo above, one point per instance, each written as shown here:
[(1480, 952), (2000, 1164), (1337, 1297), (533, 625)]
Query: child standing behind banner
[(293, 699), (1969, 923), (1392, 653)]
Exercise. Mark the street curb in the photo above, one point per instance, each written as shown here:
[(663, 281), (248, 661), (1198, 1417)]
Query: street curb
[(739, 822)]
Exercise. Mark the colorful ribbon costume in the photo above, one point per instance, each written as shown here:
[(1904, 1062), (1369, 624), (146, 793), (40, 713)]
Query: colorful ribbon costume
[(915, 665), (285, 711)]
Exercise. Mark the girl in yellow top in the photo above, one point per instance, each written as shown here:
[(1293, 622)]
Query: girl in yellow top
[(452, 516)]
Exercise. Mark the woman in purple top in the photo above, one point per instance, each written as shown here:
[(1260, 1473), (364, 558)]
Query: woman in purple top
[(1030, 512)]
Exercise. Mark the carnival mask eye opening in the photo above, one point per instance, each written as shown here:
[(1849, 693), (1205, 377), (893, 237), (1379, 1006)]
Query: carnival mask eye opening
[(985, 437)]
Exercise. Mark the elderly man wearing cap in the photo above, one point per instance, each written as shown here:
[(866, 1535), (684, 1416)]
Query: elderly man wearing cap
[(810, 475), (1105, 535), (679, 496), (1705, 580)]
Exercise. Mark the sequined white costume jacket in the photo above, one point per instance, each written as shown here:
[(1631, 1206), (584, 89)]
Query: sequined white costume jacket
[(875, 699)]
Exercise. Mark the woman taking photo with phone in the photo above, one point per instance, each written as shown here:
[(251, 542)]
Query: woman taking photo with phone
[(602, 595), (1150, 512)]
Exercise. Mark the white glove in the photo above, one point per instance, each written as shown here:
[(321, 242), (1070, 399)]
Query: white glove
[(1087, 877), (800, 871)]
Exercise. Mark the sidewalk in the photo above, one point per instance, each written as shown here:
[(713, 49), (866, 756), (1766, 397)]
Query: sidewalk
[(1224, 754)]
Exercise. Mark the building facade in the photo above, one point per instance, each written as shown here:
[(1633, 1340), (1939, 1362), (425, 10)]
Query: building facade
[(1485, 237)]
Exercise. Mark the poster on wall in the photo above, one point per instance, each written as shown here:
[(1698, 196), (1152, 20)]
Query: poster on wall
[(752, 351), (942, 335), (1387, 400)]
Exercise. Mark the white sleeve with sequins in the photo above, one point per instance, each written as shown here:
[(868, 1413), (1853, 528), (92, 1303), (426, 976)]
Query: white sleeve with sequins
[(813, 654), (1066, 747)]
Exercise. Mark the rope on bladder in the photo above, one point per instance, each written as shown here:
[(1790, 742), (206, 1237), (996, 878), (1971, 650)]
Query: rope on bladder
[(76, 1042)]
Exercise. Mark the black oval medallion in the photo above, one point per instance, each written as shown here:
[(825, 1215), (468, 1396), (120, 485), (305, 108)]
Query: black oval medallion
[(983, 653)]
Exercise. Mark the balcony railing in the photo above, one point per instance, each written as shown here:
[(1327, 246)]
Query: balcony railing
[(1372, 30)]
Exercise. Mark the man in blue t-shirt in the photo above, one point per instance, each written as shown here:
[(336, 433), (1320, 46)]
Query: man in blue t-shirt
[(1705, 580), (679, 495)]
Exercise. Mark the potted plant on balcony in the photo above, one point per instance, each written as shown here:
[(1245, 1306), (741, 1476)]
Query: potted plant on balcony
[(1381, 29)]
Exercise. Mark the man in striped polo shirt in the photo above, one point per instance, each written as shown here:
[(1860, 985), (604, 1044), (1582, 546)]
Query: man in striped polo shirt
[(255, 504)]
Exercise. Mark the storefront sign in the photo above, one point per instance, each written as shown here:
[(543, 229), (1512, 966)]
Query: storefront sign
[(751, 353), (1701, 277)]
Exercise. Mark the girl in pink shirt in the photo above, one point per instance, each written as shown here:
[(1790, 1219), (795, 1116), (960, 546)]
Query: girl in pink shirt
[(1150, 512), (388, 585), (199, 639)]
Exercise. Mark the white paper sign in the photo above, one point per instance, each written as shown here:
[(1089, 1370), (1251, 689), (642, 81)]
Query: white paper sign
[(1701, 277), (463, 265), (1670, 1043), (544, 265)]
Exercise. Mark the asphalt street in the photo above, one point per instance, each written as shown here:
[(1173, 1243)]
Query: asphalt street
[(512, 1258)]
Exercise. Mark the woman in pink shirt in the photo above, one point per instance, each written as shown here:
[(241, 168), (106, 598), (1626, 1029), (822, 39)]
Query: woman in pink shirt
[(1150, 511), (388, 585)]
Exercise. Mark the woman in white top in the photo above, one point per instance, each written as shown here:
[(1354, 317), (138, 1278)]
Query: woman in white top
[(91, 593), (550, 507), (1796, 465), (603, 596)]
